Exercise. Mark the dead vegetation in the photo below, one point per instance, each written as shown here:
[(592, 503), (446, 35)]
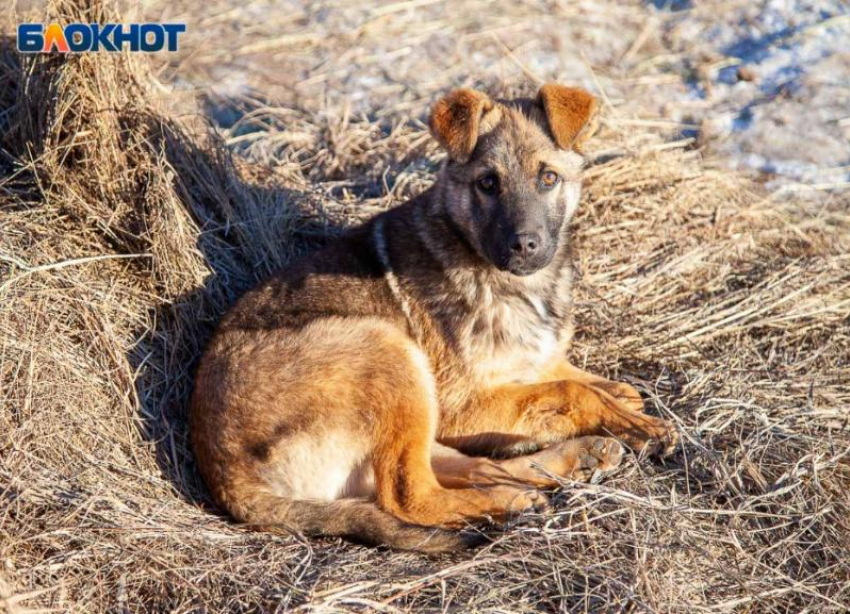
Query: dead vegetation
[(125, 230)]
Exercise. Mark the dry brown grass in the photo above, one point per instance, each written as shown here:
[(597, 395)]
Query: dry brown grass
[(125, 230)]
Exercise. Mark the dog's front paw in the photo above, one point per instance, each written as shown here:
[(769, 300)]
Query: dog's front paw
[(624, 393), (651, 435), (597, 457), (583, 458)]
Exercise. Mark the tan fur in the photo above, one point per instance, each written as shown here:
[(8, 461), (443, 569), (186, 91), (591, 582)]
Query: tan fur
[(344, 395), (456, 120), (571, 112)]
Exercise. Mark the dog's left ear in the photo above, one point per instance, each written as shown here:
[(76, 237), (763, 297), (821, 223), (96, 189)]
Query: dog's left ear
[(571, 113)]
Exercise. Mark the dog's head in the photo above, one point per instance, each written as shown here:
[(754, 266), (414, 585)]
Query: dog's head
[(511, 181)]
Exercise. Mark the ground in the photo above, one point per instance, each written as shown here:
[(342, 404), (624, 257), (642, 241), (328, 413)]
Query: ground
[(139, 196)]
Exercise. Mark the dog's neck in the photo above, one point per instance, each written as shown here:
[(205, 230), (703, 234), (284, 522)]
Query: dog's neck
[(429, 269)]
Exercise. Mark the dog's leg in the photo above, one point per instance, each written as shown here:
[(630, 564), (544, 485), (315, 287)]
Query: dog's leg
[(520, 417), (406, 485), (623, 392), (576, 459)]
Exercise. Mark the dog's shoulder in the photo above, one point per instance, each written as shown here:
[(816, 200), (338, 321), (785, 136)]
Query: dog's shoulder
[(345, 278)]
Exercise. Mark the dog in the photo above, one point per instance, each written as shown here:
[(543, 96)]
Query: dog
[(411, 377)]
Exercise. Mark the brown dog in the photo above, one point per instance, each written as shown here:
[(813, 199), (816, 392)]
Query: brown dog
[(360, 391)]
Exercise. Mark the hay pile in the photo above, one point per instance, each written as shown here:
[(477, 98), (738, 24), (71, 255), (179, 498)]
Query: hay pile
[(126, 229)]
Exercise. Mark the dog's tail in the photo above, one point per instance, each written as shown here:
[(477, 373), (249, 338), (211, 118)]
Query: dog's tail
[(356, 519)]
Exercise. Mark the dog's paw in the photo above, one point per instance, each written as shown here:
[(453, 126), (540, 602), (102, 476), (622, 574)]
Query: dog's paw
[(597, 457), (626, 394), (511, 500), (652, 435), (585, 458)]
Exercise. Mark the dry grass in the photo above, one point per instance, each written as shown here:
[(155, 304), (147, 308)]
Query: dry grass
[(125, 230)]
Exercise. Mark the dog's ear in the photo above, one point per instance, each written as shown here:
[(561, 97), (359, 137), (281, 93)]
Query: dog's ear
[(456, 120), (571, 113)]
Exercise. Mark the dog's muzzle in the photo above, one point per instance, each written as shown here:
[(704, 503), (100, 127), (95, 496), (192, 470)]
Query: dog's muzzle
[(526, 252)]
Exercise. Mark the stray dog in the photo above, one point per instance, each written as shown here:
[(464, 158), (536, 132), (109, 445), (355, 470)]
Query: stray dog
[(364, 390)]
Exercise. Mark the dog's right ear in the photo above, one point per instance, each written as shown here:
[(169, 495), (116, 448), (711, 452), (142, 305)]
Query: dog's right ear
[(456, 120)]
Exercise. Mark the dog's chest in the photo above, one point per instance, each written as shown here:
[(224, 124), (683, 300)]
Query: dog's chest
[(511, 337)]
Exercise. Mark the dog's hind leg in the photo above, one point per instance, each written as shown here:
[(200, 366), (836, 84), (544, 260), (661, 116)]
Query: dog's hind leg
[(406, 485)]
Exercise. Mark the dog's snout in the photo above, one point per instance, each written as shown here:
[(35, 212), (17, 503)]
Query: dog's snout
[(525, 243), (526, 251)]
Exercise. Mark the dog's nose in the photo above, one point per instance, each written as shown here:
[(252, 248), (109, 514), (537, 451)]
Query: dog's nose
[(525, 243)]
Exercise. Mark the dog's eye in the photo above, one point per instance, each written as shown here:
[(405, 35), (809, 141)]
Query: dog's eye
[(487, 184), (549, 179)]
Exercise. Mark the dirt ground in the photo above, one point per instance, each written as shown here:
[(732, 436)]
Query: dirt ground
[(140, 196)]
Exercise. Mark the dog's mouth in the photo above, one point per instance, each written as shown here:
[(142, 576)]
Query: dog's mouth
[(523, 270), (522, 267)]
